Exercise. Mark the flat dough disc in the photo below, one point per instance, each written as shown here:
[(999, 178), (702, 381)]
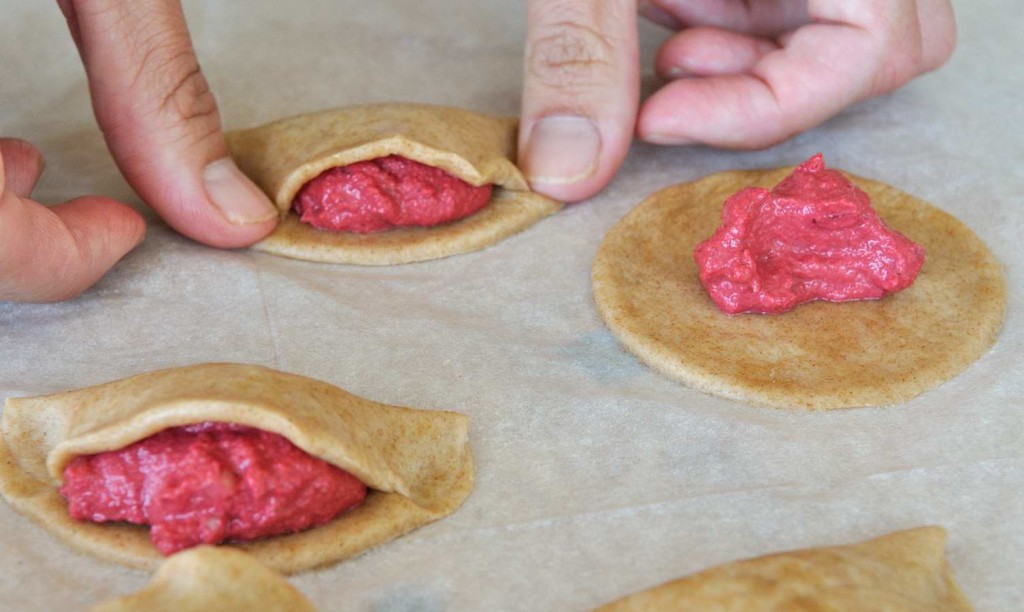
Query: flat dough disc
[(282, 156), (818, 356)]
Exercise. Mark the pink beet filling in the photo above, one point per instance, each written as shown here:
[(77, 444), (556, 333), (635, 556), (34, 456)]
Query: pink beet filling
[(386, 193), (814, 236), (207, 483)]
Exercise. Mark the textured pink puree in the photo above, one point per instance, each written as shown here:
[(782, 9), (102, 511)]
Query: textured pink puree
[(385, 193), (814, 236), (209, 482)]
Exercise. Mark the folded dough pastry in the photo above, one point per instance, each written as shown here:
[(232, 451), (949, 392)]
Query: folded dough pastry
[(282, 156), (212, 578), (416, 463), (821, 355), (904, 571)]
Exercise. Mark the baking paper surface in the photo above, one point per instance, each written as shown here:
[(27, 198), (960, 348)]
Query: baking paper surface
[(596, 477)]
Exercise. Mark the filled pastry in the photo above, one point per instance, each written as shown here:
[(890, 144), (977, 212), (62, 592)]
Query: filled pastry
[(389, 183), (296, 471), (905, 571)]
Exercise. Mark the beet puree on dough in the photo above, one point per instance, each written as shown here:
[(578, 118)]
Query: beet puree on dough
[(385, 193), (814, 236), (209, 482)]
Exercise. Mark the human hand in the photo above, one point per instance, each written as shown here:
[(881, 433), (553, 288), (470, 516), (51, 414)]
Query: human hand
[(161, 122), (51, 254), (742, 74)]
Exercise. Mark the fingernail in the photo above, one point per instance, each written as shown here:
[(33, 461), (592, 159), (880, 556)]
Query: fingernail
[(677, 72), (562, 150), (238, 198), (667, 139), (655, 13)]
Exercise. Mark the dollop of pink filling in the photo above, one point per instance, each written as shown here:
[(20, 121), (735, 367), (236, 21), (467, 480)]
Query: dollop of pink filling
[(207, 483), (814, 236), (386, 193)]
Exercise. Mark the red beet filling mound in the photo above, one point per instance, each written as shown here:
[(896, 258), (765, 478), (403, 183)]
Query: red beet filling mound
[(814, 236), (207, 483), (386, 193)]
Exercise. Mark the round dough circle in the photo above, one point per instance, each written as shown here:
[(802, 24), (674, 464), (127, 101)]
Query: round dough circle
[(820, 355)]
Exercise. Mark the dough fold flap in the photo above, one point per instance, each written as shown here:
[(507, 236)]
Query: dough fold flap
[(284, 155), (903, 571), (212, 578), (417, 462)]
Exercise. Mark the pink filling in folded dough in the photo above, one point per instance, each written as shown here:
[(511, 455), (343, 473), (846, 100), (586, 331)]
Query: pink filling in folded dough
[(385, 193), (209, 482)]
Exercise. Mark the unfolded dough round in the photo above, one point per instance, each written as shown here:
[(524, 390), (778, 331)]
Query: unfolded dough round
[(819, 355)]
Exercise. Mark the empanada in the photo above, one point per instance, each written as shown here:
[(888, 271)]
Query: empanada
[(280, 157), (904, 571), (416, 463)]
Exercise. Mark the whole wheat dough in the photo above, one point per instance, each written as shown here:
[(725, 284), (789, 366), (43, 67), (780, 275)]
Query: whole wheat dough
[(416, 463), (820, 355), (207, 578), (282, 156), (904, 571)]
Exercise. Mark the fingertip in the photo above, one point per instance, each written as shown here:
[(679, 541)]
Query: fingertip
[(238, 198), (569, 158), (938, 33), (559, 153), (22, 165), (248, 212), (105, 230), (218, 206), (575, 192), (238, 236), (731, 111), (128, 224)]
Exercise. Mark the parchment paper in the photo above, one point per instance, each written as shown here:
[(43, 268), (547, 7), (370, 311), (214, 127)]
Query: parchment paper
[(596, 476)]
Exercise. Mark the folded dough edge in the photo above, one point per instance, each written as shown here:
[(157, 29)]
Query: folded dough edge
[(417, 462), (280, 157), (904, 571)]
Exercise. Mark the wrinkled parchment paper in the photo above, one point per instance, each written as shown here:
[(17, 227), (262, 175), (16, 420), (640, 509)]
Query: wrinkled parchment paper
[(596, 476)]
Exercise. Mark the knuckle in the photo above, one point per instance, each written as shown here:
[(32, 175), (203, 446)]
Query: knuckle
[(187, 97), (568, 55), (900, 62), (176, 90)]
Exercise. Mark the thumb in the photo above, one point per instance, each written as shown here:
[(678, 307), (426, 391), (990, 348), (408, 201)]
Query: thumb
[(580, 94), (161, 121)]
